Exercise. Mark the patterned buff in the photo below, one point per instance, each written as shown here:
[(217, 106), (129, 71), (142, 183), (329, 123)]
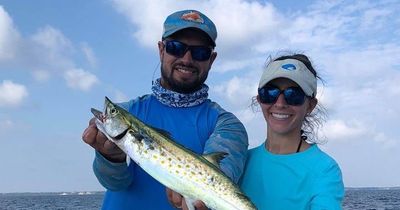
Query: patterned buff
[(174, 99)]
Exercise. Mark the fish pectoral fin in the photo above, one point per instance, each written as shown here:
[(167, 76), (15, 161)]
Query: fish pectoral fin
[(128, 160), (190, 203), (215, 157)]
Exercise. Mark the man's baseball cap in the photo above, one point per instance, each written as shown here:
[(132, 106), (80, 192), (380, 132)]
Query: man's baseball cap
[(189, 19), (291, 69)]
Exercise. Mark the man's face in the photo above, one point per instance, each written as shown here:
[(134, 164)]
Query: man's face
[(184, 74)]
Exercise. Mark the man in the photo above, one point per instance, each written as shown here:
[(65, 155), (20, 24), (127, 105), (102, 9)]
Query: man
[(179, 105)]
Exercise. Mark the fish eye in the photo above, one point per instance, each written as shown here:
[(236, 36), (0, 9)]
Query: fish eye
[(113, 111)]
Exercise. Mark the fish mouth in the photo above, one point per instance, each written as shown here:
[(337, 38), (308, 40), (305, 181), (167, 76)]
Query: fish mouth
[(98, 114)]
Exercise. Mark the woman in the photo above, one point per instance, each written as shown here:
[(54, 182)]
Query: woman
[(289, 171)]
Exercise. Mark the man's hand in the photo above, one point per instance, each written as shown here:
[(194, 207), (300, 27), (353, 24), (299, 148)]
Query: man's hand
[(176, 200), (99, 142)]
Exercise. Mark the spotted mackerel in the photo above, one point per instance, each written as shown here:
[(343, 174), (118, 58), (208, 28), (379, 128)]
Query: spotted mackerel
[(194, 176)]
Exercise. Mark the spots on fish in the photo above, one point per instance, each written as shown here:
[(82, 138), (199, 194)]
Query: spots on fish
[(211, 179)]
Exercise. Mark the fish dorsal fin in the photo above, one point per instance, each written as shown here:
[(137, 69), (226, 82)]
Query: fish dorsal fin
[(162, 132), (215, 157)]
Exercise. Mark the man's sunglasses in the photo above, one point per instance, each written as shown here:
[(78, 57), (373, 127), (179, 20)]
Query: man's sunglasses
[(179, 49), (294, 96)]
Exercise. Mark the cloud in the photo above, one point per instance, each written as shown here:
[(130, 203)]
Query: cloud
[(249, 31), (9, 37), (6, 124), (6, 127), (41, 75), (12, 94), (237, 91), (48, 50), (45, 54), (52, 40), (249, 22), (153, 12), (119, 96), (339, 130), (89, 54), (80, 79)]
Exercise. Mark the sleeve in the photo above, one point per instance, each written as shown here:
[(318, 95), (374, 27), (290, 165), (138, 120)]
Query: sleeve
[(328, 189), (229, 136), (112, 176)]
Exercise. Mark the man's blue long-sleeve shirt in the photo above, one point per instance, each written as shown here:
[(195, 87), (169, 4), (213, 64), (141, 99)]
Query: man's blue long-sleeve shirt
[(204, 128)]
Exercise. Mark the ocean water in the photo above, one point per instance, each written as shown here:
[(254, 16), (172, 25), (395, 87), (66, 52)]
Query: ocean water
[(356, 199), (51, 201), (372, 199)]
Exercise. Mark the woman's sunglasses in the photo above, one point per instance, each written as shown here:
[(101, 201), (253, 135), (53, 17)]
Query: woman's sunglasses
[(179, 49), (294, 96)]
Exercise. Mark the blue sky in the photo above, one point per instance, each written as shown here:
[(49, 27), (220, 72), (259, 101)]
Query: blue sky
[(60, 58)]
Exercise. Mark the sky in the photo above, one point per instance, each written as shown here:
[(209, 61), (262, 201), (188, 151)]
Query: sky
[(58, 59)]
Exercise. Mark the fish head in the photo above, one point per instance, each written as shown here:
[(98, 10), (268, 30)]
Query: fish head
[(113, 120)]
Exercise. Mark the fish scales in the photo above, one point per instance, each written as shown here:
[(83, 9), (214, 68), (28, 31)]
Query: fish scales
[(171, 164)]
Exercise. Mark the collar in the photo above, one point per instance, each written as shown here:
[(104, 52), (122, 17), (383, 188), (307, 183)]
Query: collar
[(175, 99)]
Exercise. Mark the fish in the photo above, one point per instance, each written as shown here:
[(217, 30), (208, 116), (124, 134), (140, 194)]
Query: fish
[(194, 176)]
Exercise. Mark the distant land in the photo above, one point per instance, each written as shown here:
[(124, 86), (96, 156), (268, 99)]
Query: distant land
[(101, 192), (55, 193)]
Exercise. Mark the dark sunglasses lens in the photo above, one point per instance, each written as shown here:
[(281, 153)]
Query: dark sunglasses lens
[(268, 95), (294, 96), (178, 49), (200, 53), (175, 48)]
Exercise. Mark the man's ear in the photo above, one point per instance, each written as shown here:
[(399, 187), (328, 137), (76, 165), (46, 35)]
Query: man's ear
[(161, 50), (212, 59)]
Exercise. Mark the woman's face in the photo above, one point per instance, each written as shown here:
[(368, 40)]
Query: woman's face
[(281, 118)]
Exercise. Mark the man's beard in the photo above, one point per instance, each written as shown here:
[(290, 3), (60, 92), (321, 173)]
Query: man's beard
[(181, 87)]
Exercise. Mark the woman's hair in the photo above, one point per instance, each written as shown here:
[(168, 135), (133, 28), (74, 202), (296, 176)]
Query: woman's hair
[(312, 121)]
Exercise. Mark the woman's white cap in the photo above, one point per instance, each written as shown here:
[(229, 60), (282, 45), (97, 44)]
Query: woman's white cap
[(294, 70)]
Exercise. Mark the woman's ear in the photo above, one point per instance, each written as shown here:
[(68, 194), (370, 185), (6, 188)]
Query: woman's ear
[(313, 103)]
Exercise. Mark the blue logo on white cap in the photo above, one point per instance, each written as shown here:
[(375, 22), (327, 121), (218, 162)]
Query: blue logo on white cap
[(289, 67)]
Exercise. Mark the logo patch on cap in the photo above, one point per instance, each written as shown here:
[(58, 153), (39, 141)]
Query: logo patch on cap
[(192, 16), (289, 67)]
